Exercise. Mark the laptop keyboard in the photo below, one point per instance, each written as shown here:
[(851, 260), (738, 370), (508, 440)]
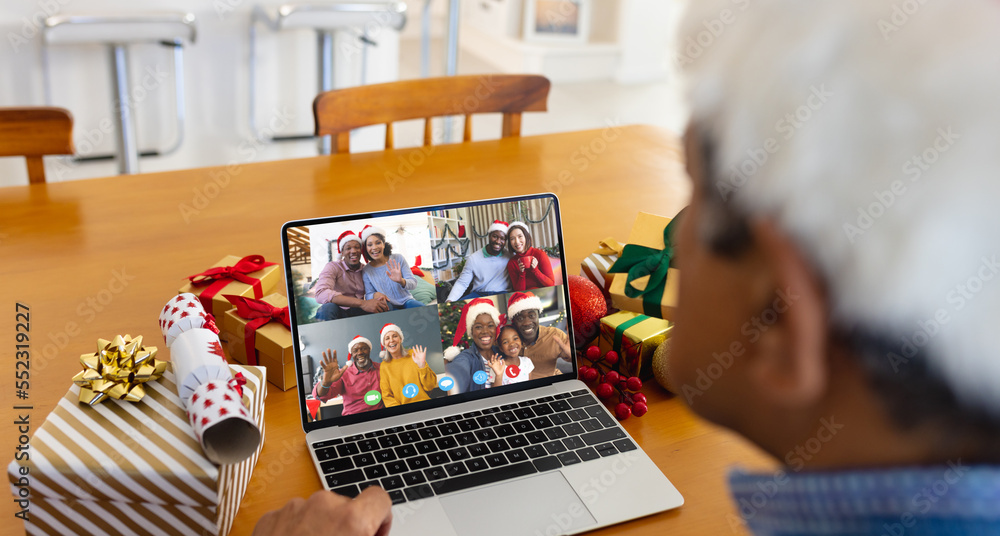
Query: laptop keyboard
[(457, 452)]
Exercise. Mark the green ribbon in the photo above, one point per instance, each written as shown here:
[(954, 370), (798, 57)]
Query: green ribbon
[(616, 343), (640, 261)]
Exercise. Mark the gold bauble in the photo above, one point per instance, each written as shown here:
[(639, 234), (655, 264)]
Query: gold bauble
[(661, 372)]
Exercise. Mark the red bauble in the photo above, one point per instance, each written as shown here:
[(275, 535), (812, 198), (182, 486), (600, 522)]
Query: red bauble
[(639, 408), (587, 307), (622, 411), (593, 353), (639, 397), (611, 357), (605, 390), (612, 377), (633, 384)]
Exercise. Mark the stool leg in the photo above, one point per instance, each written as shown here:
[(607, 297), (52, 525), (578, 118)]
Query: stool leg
[(325, 76), (128, 154), (451, 58)]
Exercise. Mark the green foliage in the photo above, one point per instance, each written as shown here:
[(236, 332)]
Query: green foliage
[(551, 251)]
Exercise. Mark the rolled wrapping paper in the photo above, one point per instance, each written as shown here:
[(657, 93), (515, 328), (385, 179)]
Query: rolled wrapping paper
[(181, 313), (205, 385)]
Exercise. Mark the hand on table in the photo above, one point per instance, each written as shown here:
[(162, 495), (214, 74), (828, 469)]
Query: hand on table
[(325, 512)]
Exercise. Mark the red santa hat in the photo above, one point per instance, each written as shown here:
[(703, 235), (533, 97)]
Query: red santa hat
[(521, 224), (344, 238), (522, 301), (357, 340), (497, 225), (471, 310), (386, 329), (370, 230)]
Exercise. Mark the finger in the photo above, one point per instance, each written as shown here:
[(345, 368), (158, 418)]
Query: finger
[(369, 511)]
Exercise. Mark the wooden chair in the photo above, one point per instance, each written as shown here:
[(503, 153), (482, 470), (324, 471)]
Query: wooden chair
[(339, 111), (34, 132)]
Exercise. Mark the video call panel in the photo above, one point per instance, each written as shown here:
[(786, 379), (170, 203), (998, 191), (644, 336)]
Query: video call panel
[(406, 308)]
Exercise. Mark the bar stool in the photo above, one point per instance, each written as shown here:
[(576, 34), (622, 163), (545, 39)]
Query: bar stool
[(326, 20), (117, 32)]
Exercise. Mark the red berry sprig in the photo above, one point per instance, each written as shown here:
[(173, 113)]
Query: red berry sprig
[(630, 401)]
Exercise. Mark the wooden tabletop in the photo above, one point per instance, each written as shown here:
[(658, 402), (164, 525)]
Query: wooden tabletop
[(95, 258)]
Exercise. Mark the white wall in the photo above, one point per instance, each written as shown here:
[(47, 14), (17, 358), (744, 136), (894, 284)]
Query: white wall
[(216, 85)]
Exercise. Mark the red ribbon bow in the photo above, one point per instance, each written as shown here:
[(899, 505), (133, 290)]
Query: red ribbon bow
[(258, 313), (218, 277), (238, 382)]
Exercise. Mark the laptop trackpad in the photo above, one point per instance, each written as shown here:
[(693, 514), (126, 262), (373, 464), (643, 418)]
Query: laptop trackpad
[(544, 503)]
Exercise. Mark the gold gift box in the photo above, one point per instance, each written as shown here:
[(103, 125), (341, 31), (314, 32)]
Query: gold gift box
[(641, 335), (269, 276), (132, 467), (273, 344), (647, 231), (595, 266)]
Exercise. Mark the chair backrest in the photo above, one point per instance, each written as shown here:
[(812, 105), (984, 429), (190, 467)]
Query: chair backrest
[(33, 132), (339, 111)]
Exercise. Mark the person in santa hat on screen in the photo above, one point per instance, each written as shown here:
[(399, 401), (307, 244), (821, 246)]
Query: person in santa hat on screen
[(478, 322), (402, 368), (340, 287), (354, 380), (543, 345), (485, 271)]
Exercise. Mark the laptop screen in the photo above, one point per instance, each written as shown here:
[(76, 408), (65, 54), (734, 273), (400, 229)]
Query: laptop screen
[(399, 311)]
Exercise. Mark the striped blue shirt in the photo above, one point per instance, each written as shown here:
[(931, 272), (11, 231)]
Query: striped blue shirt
[(377, 280), (915, 501)]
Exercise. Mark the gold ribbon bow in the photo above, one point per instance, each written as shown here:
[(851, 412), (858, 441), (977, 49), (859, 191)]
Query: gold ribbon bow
[(609, 246), (117, 370)]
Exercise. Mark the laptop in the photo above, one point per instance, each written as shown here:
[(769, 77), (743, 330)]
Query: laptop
[(422, 370)]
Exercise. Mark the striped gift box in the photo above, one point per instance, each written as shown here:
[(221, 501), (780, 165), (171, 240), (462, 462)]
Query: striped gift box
[(124, 468), (595, 266)]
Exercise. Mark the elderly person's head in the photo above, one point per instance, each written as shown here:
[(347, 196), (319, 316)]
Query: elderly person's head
[(840, 256)]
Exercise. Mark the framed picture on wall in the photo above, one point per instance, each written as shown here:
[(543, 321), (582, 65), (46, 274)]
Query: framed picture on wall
[(557, 21)]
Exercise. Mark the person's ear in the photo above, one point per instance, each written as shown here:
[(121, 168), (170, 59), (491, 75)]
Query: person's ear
[(789, 365)]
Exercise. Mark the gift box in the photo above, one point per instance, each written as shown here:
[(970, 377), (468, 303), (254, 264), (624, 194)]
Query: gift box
[(131, 468), (272, 340), (595, 266), (249, 276), (635, 338), (643, 282)]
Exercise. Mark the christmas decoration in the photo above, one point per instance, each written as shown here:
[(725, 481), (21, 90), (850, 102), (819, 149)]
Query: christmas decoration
[(660, 370), (633, 337), (630, 401), (588, 307), (595, 266), (644, 281), (117, 370)]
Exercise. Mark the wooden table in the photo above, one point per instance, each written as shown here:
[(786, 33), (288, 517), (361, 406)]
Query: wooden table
[(95, 258)]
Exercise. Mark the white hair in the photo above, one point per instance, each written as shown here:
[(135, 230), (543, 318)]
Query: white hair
[(870, 132)]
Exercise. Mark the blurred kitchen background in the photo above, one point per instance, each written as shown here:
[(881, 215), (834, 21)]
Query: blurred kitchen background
[(610, 62)]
